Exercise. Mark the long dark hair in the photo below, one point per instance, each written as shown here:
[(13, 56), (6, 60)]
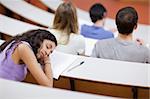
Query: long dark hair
[(33, 37)]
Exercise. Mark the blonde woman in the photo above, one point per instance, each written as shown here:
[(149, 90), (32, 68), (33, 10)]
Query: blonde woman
[(65, 29)]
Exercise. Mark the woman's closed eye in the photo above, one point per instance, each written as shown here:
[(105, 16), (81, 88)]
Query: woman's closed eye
[(48, 46)]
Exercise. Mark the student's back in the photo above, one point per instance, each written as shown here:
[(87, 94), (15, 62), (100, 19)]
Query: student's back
[(75, 45), (96, 31), (121, 50)]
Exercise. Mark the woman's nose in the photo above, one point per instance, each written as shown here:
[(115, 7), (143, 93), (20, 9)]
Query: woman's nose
[(48, 52)]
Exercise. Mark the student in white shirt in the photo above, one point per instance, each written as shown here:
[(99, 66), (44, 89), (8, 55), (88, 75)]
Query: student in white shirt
[(65, 29)]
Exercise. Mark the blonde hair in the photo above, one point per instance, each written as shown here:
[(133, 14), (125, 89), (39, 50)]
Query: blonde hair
[(66, 19)]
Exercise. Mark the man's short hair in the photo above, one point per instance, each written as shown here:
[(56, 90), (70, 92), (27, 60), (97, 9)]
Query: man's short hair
[(97, 12), (126, 20)]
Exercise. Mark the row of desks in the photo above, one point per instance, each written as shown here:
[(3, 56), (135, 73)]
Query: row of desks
[(95, 70), (17, 90)]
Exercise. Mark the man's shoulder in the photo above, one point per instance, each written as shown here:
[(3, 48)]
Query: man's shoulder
[(106, 42), (85, 27), (109, 40)]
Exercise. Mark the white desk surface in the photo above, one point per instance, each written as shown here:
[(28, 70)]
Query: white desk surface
[(53, 4), (18, 90), (13, 27), (29, 11), (111, 71)]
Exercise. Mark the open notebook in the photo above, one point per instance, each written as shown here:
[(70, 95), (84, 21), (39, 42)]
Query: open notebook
[(60, 62)]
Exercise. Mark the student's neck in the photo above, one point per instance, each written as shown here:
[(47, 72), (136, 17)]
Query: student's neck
[(125, 37), (99, 23)]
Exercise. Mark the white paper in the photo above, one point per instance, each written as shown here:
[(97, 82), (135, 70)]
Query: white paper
[(60, 62), (89, 45)]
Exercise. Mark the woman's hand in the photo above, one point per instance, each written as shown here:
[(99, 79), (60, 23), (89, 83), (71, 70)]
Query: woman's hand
[(46, 59)]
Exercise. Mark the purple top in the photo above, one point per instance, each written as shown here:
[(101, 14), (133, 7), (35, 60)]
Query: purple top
[(8, 69)]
